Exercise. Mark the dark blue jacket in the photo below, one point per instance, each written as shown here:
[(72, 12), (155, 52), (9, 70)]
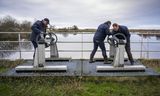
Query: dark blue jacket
[(37, 28), (102, 32), (124, 30)]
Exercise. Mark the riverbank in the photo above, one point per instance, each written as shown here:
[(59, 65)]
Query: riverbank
[(155, 31), (76, 86)]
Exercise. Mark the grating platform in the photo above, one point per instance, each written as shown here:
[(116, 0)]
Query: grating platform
[(80, 68), (90, 69)]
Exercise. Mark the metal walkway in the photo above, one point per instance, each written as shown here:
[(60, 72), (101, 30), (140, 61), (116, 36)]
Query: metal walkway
[(79, 68)]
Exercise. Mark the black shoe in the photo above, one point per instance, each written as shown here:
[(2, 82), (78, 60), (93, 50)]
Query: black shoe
[(91, 61), (132, 63), (105, 60), (40, 65)]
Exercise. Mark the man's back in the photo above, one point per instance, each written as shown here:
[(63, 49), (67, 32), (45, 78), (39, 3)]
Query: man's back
[(101, 32), (124, 30), (37, 27)]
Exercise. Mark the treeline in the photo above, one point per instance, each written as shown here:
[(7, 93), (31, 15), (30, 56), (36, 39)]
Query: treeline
[(10, 24), (74, 28)]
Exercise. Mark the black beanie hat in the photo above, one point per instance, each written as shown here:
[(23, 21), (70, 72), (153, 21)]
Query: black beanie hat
[(46, 19)]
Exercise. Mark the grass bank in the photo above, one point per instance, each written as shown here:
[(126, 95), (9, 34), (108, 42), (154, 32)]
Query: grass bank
[(8, 64), (153, 63), (76, 86)]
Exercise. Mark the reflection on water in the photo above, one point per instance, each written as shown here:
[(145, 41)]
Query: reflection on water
[(26, 45), (7, 46), (65, 34), (83, 48), (157, 36)]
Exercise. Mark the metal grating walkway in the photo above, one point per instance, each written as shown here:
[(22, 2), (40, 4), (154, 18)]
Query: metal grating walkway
[(79, 68)]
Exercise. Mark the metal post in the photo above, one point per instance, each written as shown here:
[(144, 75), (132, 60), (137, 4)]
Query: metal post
[(82, 47), (39, 58), (147, 47), (54, 50), (112, 51), (119, 56), (81, 54), (19, 39), (141, 46), (41, 54)]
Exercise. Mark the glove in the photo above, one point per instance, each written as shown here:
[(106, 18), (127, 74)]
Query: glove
[(41, 36)]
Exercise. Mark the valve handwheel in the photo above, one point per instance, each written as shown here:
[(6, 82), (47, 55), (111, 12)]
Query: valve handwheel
[(49, 37), (53, 37), (115, 39)]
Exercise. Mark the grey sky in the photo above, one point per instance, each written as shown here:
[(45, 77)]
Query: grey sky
[(86, 13)]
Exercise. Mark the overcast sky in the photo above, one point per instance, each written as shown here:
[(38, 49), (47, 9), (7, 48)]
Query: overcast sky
[(85, 13)]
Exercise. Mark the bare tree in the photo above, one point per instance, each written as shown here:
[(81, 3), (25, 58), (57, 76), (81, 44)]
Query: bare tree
[(75, 27), (8, 24), (25, 26)]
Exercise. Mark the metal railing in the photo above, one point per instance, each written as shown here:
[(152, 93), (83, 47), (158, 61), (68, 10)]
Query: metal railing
[(19, 34)]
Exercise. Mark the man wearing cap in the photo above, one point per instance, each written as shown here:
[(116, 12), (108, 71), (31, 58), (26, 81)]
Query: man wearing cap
[(98, 40), (37, 28), (124, 30)]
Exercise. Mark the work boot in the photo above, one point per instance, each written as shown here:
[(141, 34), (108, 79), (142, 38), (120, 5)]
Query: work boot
[(105, 60), (91, 61), (132, 62)]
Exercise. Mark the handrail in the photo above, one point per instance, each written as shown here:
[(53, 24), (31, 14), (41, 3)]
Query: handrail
[(82, 50), (72, 50), (75, 42)]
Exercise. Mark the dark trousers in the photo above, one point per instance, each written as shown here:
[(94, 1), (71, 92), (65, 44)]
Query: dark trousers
[(128, 50), (102, 47), (35, 45)]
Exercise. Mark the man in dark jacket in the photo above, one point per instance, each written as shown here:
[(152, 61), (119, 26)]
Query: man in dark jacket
[(124, 30), (37, 28), (98, 40)]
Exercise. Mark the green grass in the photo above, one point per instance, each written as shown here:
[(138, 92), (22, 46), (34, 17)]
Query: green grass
[(153, 63), (75, 86), (79, 86), (7, 64)]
